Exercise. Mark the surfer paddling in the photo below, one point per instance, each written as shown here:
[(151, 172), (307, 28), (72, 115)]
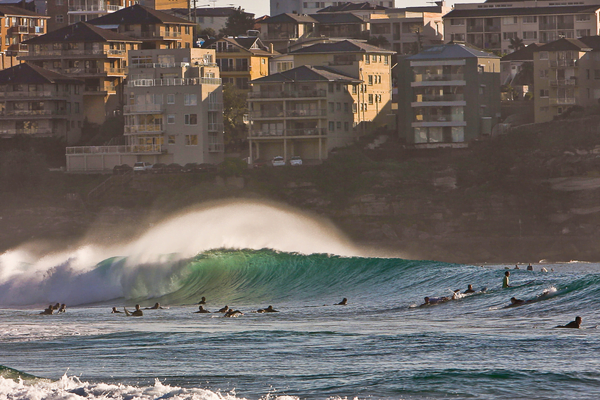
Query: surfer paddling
[(266, 310), (155, 307), (224, 309), (232, 313), (136, 313), (115, 311), (48, 311), (573, 324), (201, 310), (344, 302), (469, 289), (202, 300)]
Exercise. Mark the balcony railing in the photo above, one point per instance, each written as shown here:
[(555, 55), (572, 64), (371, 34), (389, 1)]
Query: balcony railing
[(160, 65), (100, 89), (306, 113), (157, 34), (287, 94), (563, 82), (39, 131), (215, 106), (439, 97), (29, 113), (229, 50), (234, 68), (563, 101), (137, 149), (36, 30), (174, 82), (215, 147), (90, 71), (42, 93), (215, 127), (19, 29), (438, 118), (143, 108), (96, 8), (289, 132), (439, 77), (18, 47), (77, 52), (563, 63), (143, 128)]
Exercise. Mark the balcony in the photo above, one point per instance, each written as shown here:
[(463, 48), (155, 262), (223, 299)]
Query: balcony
[(33, 95), (215, 127), (147, 128), (32, 113), (36, 30), (289, 132), (125, 149), (75, 52), (439, 97), (100, 90), (438, 118), (173, 82), (19, 47), (159, 65), (21, 29), (564, 82), (438, 77), (215, 106), (563, 63), (306, 113), (563, 101), (94, 8), (157, 34), (215, 147), (288, 94), (143, 108), (38, 131), (228, 50), (91, 71), (234, 68)]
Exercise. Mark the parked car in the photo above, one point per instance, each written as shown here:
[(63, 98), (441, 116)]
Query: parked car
[(158, 168), (142, 167), (173, 168), (296, 161), (121, 169), (278, 161), (190, 167)]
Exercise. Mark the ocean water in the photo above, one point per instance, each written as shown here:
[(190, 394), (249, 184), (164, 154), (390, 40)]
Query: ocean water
[(381, 345)]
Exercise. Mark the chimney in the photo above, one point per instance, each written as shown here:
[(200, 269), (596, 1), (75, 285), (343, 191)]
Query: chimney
[(271, 49)]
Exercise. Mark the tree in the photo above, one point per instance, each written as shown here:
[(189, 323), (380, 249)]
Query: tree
[(234, 108), (206, 32), (379, 41), (516, 44), (238, 23)]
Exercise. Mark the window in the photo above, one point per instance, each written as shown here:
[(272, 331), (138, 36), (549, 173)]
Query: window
[(171, 139), (370, 99), (543, 55), (530, 19), (59, 18), (191, 140), (386, 60), (582, 32), (346, 126), (338, 126), (190, 99), (597, 74), (331, 107), (354, 89), (543, 73), (241, 83), (509, 35), (529, 35), (544, 92), (170, 119), (331, 126), (354, 108), (458, 37), (59, 2), (367, 59), (583, 17), (370, 79), (191, 119), (338, 106), (457, 22), (374, 58), (170, 99), (509, 20), (346, 107), (187, 30), (7, 40)]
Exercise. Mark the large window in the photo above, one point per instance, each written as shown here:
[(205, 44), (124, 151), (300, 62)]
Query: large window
[(191, 140), (191, 119), (190, 99)]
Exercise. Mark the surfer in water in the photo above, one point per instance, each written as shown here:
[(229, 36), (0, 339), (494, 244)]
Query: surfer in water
[(136, 313), (469, 289), (224, 309), (202, 300), (201, 310), (62, 309), (342, 303), (232, 313), (115, 311), (266, 310), (48, 311), (506, 280), (154, 307), (573, 324)]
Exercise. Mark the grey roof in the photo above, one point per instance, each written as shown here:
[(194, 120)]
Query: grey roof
[(565, 44), (591, 41), (242, 42), (338, 18), (289, 18), (525, 54), (344, 46), (519, 11), (451, 50), (352, 7), (17, 11), (31, 74), (80, 32), (307, 73), (137, 14)]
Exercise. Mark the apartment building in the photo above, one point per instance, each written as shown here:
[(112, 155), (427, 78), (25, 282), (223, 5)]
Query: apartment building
[(174, 113), (154, 29), (369, 64), (18, 25), (566, 73), (491, 25), (285, 29), (40, 103), (448, 95), (241, 59), (207, 17), (63, 13), (96, 56), (409, 30), (305, 111), (312, 7)]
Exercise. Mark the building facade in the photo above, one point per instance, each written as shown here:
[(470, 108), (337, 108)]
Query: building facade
[(448, 95), (213, 18), (174, 113), (17, 25), (63, 13), (305, 111), (311, 7), (40, 103), (492, 25), (94, 55)]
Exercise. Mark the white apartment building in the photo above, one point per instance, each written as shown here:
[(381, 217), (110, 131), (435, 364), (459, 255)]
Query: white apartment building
[(491, 25), (311, 7)]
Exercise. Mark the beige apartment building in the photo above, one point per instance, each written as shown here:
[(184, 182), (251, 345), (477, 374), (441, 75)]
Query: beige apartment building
[(305, 111), (40, 103), (96, 56), (18, 25), (491, 25), (566, 73), (369, 64), (62, 13), (174, 113)]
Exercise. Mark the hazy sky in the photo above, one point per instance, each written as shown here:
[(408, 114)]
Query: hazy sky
[(261, 7)]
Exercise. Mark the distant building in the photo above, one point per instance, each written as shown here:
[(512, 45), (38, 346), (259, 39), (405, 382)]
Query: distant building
[(94, 55), (448, 95), (285, 29), (174, 113), (492, 25), (311, 7), (207, 17), (63, 13), (341, 25), (240, 59), (155, 29), (18, 25), (40, 103), (305, 111), (566, 73)]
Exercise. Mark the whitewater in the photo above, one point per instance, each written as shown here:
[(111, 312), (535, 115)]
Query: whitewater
[(249, 255)]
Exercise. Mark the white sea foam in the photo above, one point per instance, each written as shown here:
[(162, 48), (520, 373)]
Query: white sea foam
[(150, 261)]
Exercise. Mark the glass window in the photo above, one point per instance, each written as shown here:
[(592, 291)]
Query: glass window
[(191, 119), (170, 119), (171, 139), (191, 140), (170, 98), (190, 99)]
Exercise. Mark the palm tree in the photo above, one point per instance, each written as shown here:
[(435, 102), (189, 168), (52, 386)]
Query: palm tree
[(516, 44)]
